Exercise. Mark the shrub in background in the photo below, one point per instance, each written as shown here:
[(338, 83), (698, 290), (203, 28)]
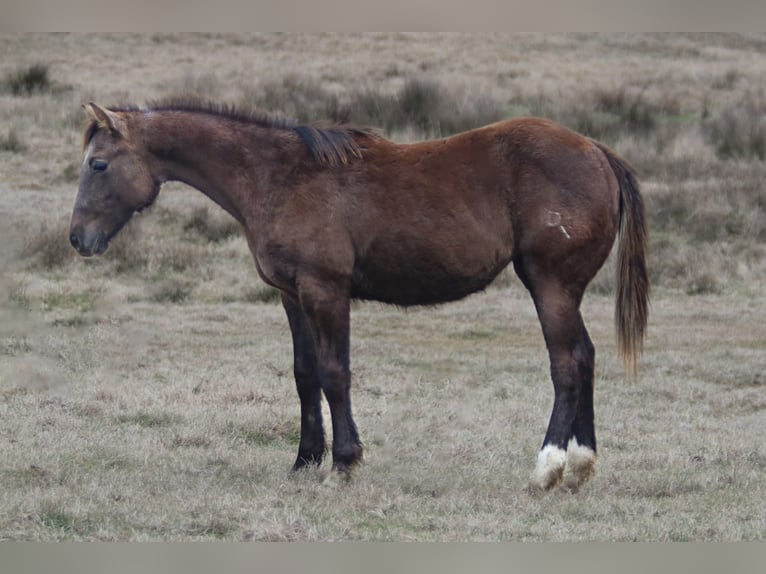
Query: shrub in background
[(11, 142), (739, 131), (421, 104), (25, 81)]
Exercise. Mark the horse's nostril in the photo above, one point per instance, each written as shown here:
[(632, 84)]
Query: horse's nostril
[(75, 241)]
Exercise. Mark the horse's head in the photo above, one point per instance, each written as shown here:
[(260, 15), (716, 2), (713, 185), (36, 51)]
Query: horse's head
[(115, 182)]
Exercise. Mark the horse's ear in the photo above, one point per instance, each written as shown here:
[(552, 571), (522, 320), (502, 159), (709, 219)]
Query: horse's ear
[(105, 118)]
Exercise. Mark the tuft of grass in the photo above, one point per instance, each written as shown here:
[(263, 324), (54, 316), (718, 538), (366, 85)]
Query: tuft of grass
[(149, 419), (728, 80), (419, 102), (28, 80), (704, 282), (635, 113), (172, 290), (472, 334), (128, 252), (285, 432), (62, 522), (262, 294), (68, 308), (193, 441), (211, 227), (48, 248), (82, 301), (18, 298), (11, 142), (217, 527), (70, 173), (57, 519)]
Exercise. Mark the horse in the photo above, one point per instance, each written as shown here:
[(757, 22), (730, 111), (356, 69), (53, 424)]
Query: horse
[(334, 213)]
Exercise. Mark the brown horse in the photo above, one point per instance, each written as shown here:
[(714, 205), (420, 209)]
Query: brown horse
[(339, 213)]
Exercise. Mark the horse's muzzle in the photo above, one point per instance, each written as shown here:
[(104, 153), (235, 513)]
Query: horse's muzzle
[(88, 244)]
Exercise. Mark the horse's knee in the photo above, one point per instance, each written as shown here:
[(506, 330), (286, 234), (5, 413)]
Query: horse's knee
[(335, 381), (584, 353)]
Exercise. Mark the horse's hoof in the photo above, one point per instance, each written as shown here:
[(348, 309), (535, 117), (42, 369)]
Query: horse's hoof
[(550, 468), (580, 465)]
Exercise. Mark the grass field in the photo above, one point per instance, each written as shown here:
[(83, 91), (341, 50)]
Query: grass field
[(148, 394)]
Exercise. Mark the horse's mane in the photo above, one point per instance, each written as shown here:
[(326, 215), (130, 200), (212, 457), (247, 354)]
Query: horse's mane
[(329, 144)]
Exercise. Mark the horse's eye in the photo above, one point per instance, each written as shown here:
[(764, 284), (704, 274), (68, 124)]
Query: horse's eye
[(98, 165)]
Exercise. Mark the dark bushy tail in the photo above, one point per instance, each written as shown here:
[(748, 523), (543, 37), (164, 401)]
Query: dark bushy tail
[(632, 306)]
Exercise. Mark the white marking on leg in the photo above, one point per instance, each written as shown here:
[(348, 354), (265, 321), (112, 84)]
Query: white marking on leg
[(580, 465), (565, 232), (550, 467)]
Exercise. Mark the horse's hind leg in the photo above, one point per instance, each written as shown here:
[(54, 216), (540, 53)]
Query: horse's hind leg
[(568, 450), (581, 448), (312, 443)]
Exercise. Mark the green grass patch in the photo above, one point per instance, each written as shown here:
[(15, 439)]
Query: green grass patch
[(63, 523), (218, 528), (279, 433), (18, 299), (262, 294), (472, 335), (147, 419), (82, 301), (57, 519), (190, 441)]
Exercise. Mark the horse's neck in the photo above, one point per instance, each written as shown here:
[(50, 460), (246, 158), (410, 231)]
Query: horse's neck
[(211, 156)]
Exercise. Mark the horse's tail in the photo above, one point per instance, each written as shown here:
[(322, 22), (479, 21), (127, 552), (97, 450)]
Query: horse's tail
[(632, 305)]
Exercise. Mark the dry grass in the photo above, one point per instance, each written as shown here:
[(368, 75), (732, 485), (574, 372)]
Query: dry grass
[(180, 422), (147, 395)]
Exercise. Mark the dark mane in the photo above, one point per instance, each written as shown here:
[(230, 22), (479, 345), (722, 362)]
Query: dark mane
[(330, 145)]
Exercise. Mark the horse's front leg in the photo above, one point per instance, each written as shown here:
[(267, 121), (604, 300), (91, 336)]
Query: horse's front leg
[(327, 308), (312, 445)]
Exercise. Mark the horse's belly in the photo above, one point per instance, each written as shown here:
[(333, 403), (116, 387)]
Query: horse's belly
[(425, 277)]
